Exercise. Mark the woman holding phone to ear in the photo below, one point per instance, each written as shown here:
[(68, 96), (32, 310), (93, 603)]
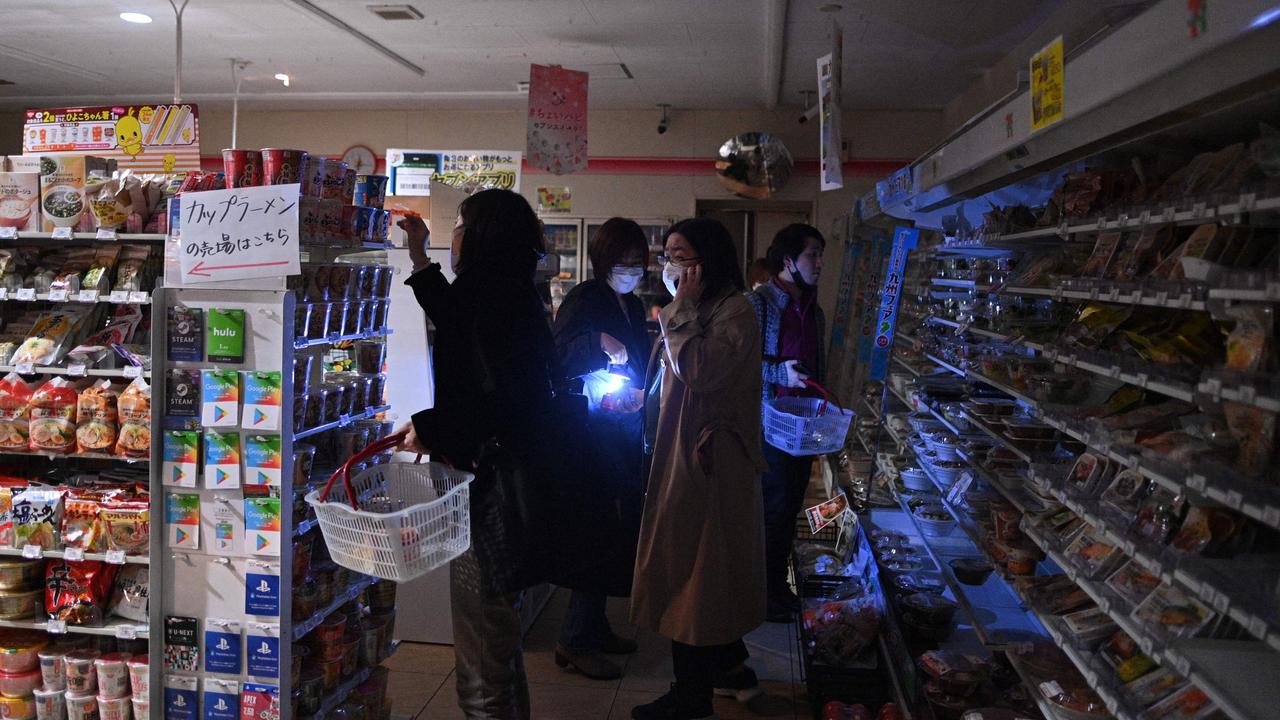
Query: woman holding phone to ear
[(699, 575)]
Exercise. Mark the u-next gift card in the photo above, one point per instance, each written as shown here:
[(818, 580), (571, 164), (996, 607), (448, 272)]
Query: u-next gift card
[(262, 460), (221, 460), (181, 458), (219, 398), (263, 398)]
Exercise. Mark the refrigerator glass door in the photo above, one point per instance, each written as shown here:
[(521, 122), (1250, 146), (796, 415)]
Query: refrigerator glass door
[(564, 239)]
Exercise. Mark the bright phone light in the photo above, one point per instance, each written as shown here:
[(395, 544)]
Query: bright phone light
[(137, 18), (283, 79)]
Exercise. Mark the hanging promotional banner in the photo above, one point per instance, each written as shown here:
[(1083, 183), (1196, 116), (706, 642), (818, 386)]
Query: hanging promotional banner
[(239, 234), (1047, 86), (829, 87), (904, 241), (144, 138), (866, 295), (844, 295), (895, 188), (413, 171), (557, 126)]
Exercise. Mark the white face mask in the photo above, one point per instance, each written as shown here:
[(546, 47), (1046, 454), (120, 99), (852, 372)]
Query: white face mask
[(625, 279), (670, 274)]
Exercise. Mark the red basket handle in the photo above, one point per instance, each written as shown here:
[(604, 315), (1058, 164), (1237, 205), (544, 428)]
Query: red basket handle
[(826, 395), (369, 451)]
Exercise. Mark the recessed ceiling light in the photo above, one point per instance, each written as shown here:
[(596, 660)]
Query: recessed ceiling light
[(830, 7), (133, 17), (284, 79)]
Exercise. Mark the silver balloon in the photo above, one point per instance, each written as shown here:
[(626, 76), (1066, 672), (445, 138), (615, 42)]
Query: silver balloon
[(754, 164)]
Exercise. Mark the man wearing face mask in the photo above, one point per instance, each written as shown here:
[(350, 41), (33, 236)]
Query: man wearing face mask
[(602, 341), (791, 331)]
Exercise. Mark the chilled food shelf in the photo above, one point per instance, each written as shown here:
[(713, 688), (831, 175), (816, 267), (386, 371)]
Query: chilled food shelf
[(1240, 391), (300, 629), (906, 366), (1033, 690), (116, 627), (1114, 294), (944, 365), (343, 422), (336, 338), (113, 558), (75, 371), (64, 234), (1019, 496), (87, 297), (1087, 663), (1110, 366), (74, 456), (991, 432)]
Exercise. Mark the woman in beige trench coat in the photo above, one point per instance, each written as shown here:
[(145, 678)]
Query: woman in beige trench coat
[(699, 576)]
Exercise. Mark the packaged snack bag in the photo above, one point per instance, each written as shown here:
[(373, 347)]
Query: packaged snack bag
[(135, 420), (15, 424), (96, 418), (53, 417)]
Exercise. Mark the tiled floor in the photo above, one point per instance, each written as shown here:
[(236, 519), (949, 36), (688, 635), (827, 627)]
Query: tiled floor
[(422, 683)]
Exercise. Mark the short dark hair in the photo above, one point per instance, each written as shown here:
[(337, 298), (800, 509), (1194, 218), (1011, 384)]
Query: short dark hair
[(715, 247), (759, 272), (501, 234), (613, 241), (790, 242)]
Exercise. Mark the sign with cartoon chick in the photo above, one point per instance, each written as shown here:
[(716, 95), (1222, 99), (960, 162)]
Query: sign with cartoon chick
[(143, 138)]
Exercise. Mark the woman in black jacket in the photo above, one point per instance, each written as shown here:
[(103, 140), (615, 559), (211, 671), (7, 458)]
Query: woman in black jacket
[(602, 342), (494, 371)]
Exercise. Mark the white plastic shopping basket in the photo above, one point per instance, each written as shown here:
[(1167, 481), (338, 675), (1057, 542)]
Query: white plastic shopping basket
[(806, 426)]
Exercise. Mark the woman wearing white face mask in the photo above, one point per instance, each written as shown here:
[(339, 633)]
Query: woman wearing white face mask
[(602, 340)]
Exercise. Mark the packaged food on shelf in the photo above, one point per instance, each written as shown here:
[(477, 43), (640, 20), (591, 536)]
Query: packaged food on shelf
[(839, 628), (129, 595), (1189, 703), (135, 420), (1089, 626), (78, 592), (1123, 655), (62, 187), (1133, 582), (1093, 554), (1173, 612), (1153, 687)]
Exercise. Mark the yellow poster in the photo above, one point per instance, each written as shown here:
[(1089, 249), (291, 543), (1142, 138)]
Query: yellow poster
[(1046, 86)]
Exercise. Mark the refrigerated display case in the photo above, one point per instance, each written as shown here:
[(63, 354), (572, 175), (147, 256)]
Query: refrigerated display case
[(564, 239), (569, 238)]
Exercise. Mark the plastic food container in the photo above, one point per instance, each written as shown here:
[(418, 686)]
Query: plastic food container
[(350, 654), (382, 596), (82, 707), (82, 677), (352, 323), (971, 571), (372, 632), (378, 391), (331, 630), (338, 317), (311, 691), (140, 675), (330, 673), (318, 322), (368, 315), (141, 708), (51, 704), (934, 520), (20, 604), (115, 708), (113, 675), (18, 708), (19, 684), (19, 651), (53, 671), (20, 574)]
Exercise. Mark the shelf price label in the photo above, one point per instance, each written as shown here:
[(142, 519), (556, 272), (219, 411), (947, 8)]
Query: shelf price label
[(139, 297), (62, 233), (106, 234), (239, 234), (25, 368), (57, 296), (32, 552), (118, 296), (73, 554), (115, 557), (132, 371), (127, 632), (27, 294), (57, 627), (8, 233), (77, 370), (87, 296)]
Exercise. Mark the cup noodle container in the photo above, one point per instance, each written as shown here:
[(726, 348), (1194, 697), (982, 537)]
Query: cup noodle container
[(140, 676), (141, 708), (242, 168), (113, 675), (120, 708), (281, 166), (82, 676), (82, 707), (348, 185), (51, 704), (313, 177), (53, 670), (23, 708)]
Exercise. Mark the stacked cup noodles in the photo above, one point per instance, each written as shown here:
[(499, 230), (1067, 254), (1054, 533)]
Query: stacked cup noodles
[(338, 206), (86, 684)]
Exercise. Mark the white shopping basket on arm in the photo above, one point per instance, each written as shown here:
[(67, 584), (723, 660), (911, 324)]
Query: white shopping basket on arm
[(806, 426), (415, 517)]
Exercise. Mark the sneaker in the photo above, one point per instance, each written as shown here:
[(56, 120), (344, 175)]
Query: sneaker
[(592, 664), (741, 685), (674, 706), (614, 645)]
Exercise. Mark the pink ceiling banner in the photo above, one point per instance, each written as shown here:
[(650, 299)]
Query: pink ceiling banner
[(557, 131)]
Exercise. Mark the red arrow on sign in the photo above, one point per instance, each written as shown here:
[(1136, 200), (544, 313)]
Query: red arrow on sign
[(202, 269)]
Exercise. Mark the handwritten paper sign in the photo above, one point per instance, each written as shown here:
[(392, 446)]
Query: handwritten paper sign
[(239, 234), (557, 126)]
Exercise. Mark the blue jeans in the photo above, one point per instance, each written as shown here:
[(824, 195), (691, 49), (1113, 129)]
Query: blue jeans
[(586, 626)]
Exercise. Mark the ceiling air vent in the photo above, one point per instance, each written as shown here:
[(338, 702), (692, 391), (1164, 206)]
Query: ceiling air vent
[(396, 12)]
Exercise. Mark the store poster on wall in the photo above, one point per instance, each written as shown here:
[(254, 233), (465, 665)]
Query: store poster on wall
[(163, 138), (829, 88), (1047, 101), (557, 125), (555, 199), (904, 241), (413, 171)]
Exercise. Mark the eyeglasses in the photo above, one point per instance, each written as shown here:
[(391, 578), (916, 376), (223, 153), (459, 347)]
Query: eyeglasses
[(678, 262)]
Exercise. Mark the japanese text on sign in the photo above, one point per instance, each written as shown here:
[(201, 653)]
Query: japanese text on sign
[(1047, 101), (239, 234), (413, 171), (904, 241)]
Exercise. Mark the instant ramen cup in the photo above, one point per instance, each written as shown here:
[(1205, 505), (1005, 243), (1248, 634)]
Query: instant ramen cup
[(82, 676), (23, 708), (117, 708), (52, 669), (242, 168), (281, 166), (113, 675), (51, 704), (140, 675), (19, 651), (19, 684), (141, 708), (82, 707)]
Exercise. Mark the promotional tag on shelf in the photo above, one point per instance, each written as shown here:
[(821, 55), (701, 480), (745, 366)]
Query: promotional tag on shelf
[(222, 646), (262, 526), (181, 643), (107, 234), (183, 394), (219, 398), (239, 233), (87, 296), (223, 524), (262, 589), (262, 459), (222, 698), (8, 233), (264, 650), (119, 297), (181, 455), (221, 460), (180, 702), (224, 334), (259, 701), (185, 334), (263, 397), (26, 294), (823, 514), (182, 516), (59, 295)]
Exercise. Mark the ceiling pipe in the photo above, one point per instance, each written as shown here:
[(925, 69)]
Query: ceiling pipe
[(775, 55), (237, 67), (177, 65), (342, 25)]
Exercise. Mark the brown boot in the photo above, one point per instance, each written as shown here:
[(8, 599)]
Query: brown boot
[(592, 664)]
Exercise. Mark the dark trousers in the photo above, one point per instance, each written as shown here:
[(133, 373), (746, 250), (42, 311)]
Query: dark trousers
[(783, 490), (697, 667), (586, 626)]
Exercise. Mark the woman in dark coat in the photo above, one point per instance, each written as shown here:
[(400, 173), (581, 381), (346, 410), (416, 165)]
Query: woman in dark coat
[(494, 372), (602, 343)]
